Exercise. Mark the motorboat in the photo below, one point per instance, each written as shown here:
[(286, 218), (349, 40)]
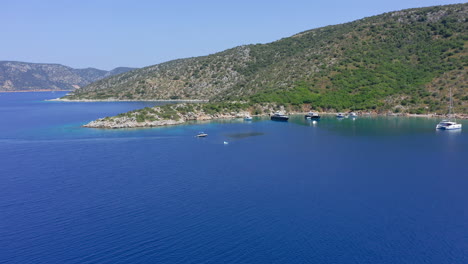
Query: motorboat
[(202, 134), (279, 117), (247, 118), (312, 115), (352, 114), (340, 115)]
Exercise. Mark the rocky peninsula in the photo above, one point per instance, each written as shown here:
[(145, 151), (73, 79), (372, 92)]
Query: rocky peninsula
[(173, 114)]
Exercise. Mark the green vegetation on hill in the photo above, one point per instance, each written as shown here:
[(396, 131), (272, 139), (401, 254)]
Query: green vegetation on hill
[(174, 111), (403, 61)]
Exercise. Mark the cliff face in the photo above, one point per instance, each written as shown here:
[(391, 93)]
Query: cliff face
[(23, 76), (393, 60)]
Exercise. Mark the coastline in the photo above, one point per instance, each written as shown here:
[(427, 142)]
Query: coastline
[(132, 122), (128, 100), (118, 122), (456, 116), (32, 91)]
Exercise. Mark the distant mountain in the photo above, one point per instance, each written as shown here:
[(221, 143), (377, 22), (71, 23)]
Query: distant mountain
[(24, 76), (398, 61)]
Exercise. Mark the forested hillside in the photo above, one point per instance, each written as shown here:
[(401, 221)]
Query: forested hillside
[(402, 61)]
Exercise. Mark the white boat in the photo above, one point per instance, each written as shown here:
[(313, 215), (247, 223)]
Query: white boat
[(340, 115), (202, 134), (449, 124), (248, 118), (352, 114)]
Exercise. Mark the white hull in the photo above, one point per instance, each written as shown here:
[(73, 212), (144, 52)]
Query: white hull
[(446, 126), (449, 124)]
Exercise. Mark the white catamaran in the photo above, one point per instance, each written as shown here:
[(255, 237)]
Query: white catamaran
[(449, 124)]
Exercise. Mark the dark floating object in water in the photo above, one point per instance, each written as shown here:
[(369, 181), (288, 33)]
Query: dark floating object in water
[(245, 135)]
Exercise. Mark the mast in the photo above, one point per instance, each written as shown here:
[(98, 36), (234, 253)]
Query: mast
[(450, 104), (451, 114)]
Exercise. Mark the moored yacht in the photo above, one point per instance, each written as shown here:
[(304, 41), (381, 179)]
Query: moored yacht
[(449, 124), (340, 115), (279, 117), (352, 114), (312, 115)]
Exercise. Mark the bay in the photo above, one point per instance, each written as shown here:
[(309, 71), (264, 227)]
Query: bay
[(369, 190)]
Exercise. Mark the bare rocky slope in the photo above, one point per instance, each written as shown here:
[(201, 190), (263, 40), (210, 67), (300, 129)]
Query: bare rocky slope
[(24, 76)]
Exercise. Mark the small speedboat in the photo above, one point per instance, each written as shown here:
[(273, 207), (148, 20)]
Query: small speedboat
[(279, 117), (202, 134), (247, 118), (312, 115), (340, 115), (352, 114)]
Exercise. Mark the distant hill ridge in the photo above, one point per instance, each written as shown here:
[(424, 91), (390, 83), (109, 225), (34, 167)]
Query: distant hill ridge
[(398, 61), (24, 76)]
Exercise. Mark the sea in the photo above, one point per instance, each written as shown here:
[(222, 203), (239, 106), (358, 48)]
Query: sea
[(364, 190)]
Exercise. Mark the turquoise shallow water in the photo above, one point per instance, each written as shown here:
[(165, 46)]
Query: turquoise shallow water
[(370, 190)]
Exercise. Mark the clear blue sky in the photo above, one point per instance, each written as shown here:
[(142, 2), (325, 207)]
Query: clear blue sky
[(109, 33)]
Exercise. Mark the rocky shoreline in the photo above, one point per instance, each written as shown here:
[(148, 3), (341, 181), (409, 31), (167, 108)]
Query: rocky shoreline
[(160, 116), (456, 116), (131, 119), (127, 100), (33, 91), (132, 122)]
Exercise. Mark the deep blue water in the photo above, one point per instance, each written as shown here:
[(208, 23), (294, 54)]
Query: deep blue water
[(370, 190)]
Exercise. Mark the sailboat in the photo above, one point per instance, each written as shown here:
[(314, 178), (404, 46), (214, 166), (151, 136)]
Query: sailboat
[(449, 124)]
